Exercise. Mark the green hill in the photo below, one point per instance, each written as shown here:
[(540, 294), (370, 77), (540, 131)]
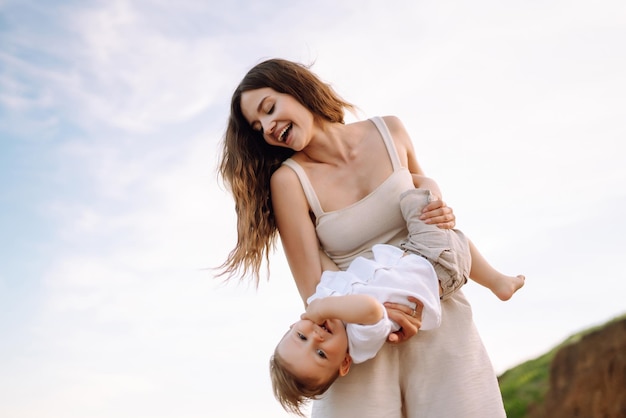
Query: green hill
[(526, 385)]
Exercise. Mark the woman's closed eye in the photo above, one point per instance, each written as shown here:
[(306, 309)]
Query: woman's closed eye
[(257, 126)]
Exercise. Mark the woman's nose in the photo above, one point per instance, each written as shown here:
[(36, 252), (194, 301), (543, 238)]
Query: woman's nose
[(268, 126)]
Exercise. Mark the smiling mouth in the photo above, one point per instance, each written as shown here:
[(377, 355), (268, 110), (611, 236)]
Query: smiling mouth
[(283, 134)]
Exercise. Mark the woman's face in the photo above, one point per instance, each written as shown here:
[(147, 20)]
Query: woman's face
[(283, 120)]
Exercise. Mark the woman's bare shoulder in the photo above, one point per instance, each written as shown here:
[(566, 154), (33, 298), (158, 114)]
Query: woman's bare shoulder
[(287, 191), (366, 127), (284, 176), (404, 144), (395, 125)]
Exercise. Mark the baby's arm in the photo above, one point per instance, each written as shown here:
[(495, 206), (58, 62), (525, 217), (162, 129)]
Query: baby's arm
[(353, 309)]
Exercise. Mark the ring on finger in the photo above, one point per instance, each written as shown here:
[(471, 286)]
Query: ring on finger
[(413, 313)]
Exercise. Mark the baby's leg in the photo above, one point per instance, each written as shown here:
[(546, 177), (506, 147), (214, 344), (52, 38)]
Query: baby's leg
[(482, 273)]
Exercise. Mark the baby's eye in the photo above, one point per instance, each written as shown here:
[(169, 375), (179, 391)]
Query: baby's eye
[(301, 336), (321, 353)]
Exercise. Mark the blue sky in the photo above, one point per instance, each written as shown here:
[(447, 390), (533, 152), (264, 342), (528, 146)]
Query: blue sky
[(111, 113)]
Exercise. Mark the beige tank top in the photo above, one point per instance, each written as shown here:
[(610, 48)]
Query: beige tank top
[(376, 219)]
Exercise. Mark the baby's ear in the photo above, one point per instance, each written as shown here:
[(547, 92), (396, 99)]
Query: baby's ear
[(345, 365)]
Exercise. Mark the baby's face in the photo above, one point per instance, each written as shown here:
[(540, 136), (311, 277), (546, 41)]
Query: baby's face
[(315, 351)]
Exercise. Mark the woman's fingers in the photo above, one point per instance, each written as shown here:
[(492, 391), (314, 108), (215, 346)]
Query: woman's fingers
[(438, 213), (409, 319), (406, 308)]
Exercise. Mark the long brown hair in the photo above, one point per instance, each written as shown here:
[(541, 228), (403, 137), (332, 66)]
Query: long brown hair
[(247, 161)]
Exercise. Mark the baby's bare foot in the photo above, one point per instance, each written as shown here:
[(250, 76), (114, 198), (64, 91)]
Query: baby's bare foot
[(508, 285)]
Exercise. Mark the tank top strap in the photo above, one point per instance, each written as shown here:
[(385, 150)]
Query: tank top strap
[(309, 192), (388, 140)]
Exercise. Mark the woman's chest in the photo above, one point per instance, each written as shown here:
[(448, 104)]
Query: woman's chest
[(338, 187)]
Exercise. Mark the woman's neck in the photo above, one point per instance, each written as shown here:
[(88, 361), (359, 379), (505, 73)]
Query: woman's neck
[(332, 143)]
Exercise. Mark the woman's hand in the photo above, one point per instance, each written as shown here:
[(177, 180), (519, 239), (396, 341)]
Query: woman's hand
[(439, 214), (409, 319)]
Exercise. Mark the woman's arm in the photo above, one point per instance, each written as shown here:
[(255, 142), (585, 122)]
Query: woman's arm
[(427, 183), (297, 232), (327, 263), (436, 212)]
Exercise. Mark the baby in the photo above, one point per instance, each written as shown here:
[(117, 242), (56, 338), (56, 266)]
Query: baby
[(319, 348), (346, 322)]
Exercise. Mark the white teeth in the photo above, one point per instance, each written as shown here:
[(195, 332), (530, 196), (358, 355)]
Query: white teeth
[(282, 133)]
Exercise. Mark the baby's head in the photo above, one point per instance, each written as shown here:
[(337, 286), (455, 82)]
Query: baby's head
[(307, 360)]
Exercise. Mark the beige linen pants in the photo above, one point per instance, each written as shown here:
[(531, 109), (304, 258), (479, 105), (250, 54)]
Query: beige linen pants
[(441, 373)]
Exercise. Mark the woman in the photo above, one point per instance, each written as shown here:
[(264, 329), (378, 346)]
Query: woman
[(331, 190)]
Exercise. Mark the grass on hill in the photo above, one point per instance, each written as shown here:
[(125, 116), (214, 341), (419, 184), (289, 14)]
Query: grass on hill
[(527, 384)]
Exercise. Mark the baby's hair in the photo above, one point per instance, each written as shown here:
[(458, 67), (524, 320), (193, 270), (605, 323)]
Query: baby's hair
[(292, 392)]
